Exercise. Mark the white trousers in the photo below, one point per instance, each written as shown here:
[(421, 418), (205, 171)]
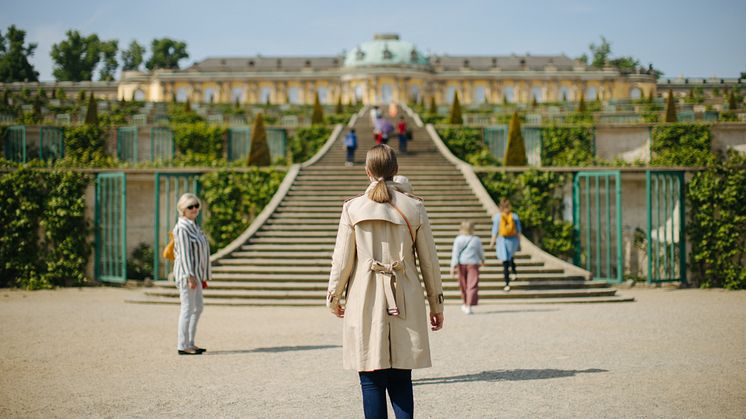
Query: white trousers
[(191, 308)]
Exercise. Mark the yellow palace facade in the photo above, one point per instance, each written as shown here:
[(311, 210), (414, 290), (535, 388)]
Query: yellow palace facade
[(383, 70)]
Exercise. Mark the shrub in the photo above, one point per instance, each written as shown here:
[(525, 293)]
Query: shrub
[(681, 144), (567, 146), (91, 115), (670, 108), (467, 144), (455, 118), (515, 152), (717, 226), (199, 138), (234, 199), (140, 262), (305, 142), (259, 153), (317, 117)]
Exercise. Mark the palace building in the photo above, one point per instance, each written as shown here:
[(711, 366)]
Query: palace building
[(383, 70)]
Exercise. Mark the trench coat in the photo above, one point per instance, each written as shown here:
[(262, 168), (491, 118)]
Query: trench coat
[(373, 267)]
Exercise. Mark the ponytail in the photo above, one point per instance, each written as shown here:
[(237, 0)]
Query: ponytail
[(381, 163), (380, 192)]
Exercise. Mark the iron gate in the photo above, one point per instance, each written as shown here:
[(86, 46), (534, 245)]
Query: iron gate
[(51, 143), (597, 221), (162, 145), (239, 142), (666, 212), (127, 144), (14, 146), (111, 227)]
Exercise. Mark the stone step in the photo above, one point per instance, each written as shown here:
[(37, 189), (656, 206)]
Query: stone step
[(336, 210), (333, 233), (437, 228), (247, 252), (327, 262), (487, 271), (322, 277), (335, 205), (320, 295)]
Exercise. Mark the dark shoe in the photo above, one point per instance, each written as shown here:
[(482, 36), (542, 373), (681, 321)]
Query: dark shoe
[(200, 350), (189, 352)]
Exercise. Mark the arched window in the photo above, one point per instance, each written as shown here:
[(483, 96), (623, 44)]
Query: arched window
[(635, 93), (414, 94), (480, 95), (237, 95), (265, 95), (359, 90), (450, 94), (323, 94), (509, 94), (565, 94), (294, 95), (591, 93), (182, 94), (209, 95), (139, 95), (536, 93), (387, 93)]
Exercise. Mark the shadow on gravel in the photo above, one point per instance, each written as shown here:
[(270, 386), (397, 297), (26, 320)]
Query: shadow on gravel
[(538, 310), (275, 349), (505, 375)]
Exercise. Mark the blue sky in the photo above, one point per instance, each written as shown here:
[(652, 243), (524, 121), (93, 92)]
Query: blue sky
[(699, 39)]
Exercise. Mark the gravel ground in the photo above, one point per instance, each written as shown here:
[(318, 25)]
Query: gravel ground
[(86, 353)]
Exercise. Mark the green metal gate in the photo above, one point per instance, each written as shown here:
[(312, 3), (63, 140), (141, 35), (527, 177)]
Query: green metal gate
[(277, 140), (127, 144), (168, 189), (162, 145), (597, 221), (14, 146), (666, 212), (496, 139), (239, 142), (111, 227), (51, 143)]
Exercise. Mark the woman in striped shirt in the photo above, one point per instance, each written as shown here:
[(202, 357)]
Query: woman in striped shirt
[(191, 267)]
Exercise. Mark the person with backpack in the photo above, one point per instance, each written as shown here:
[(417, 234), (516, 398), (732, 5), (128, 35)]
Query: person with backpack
[(506, 230), (466, 258), (351, 145)]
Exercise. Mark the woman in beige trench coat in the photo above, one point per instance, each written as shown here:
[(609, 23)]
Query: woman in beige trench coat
[(374, 270)]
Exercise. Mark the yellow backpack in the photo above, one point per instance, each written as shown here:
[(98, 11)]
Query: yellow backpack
[(168, 251), (507, 225)]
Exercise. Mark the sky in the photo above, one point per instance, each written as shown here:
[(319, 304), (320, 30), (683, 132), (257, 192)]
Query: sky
[(681, 38)]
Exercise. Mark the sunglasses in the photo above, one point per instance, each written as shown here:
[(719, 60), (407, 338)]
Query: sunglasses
[(193, 206)]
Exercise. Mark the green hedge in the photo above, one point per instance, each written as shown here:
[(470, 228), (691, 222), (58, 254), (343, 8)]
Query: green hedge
[(467, 144), (234, 199), (717, 224), (536, 198), (43, 229), (681, 144), (305, 142), (567, 146), (199, 138)]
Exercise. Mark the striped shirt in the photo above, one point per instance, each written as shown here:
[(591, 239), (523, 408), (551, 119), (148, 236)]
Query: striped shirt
[(192, 251)]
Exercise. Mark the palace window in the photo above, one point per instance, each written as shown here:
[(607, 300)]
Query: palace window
[(480, 95)]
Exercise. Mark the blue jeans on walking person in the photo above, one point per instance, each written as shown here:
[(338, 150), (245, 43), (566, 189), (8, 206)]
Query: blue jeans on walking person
[(403, 143), (350, 155), (397, 382)]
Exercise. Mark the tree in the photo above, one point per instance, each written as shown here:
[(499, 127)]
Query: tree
[(14, 56), (166, 53), (670, 107), (91, 115), (76, 57), (515, 152), (600, 53), (732, 105), (433, 106), (132, 57), (317, 117), (340, 109), (109, 57), (581, 103), (456, 118), (259, 153)]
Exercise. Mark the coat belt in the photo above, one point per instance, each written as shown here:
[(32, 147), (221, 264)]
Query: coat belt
[(386, 273)]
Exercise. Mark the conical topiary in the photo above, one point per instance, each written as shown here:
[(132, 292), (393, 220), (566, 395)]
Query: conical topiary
[(187, 106), (173, 97), (732, 105), (650, 96), (515, 152), (534, 103), (259, 153), (317, 117), (340, 109), (91, 115), (670, 108), (81, 96), (433, 106), (456, 118), (581, 103)]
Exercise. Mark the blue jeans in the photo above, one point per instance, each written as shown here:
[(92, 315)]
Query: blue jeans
[(350, 154), (399, 385)]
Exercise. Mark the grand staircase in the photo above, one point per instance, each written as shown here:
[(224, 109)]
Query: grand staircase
[(284, 257)]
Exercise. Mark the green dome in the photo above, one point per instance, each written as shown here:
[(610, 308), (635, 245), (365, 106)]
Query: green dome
[(385, 50)]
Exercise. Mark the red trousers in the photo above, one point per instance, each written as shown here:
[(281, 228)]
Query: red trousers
[(468, 282)]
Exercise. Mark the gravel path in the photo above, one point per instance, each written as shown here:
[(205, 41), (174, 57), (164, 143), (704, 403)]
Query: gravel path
[(85, 353)]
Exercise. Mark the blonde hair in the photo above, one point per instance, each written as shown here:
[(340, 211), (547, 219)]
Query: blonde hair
[(382, 165), (466, 229), (186, 200)]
